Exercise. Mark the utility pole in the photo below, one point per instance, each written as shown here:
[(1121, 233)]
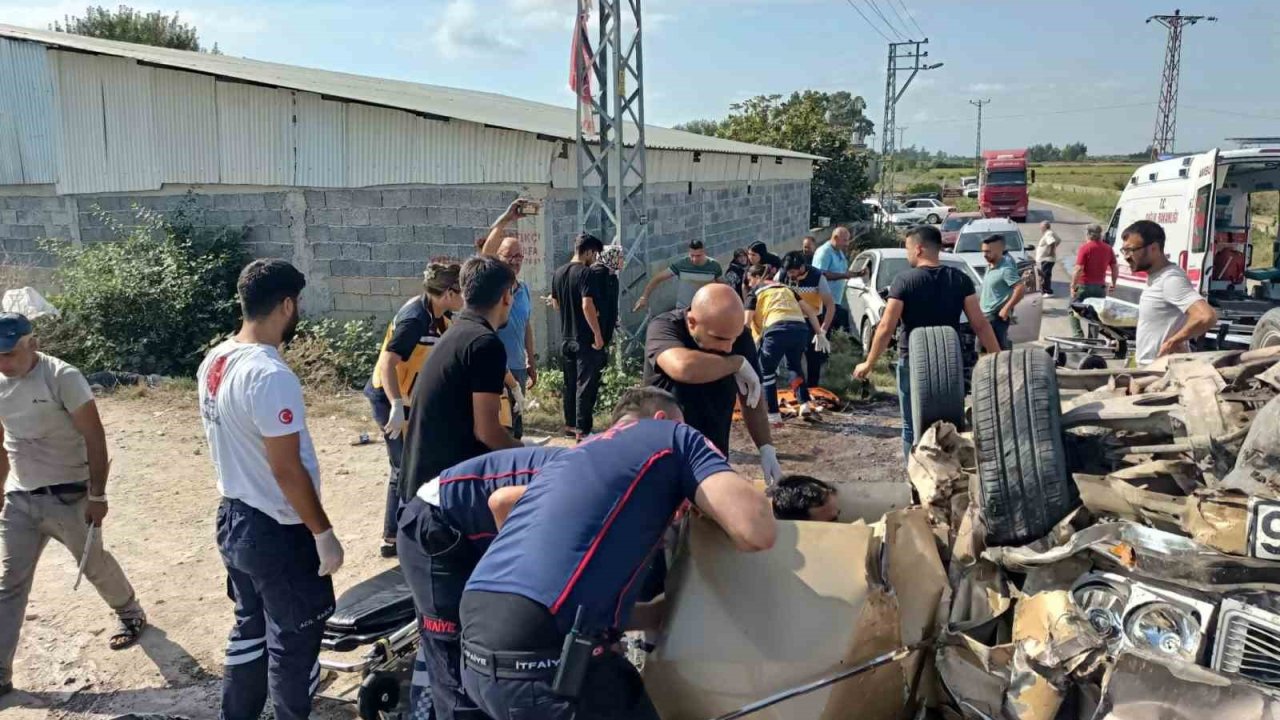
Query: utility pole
[(1167, 111), (905, 60), (902, 131), (977, 148), (611, 168)]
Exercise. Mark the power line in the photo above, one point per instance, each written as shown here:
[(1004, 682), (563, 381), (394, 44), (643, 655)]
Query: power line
[(1232, 113), (912, 17), (868, 20), (1039, 114), (885, 20), (898, 15)]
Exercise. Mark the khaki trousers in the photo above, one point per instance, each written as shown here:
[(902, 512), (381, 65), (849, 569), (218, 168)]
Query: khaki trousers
[(27, 522)]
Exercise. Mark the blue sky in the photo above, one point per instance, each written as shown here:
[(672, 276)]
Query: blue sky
[(1087, 70)]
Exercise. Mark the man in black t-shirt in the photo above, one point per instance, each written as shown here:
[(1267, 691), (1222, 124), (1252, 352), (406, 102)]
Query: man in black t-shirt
[(705, 356), (454, 415), (930, 294), (578, 294)]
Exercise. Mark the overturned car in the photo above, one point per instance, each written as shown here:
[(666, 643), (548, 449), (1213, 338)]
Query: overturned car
[(1114, 555)]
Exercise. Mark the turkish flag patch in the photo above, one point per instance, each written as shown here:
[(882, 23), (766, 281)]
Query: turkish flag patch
[(286, 416)]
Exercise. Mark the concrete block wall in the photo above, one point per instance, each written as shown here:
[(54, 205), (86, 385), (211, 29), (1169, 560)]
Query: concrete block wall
[(724, 216), (24, 221)]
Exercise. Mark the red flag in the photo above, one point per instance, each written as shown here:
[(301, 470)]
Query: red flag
[(580, 66)]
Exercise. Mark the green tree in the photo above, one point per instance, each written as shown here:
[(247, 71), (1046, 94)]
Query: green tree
[(1075, 152), (128, 25), (816, 123), (701, 127)]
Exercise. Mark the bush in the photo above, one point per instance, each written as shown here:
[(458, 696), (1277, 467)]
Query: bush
[(885, 236), (618, 377), (330, 355), (150, 301), (924, 188)]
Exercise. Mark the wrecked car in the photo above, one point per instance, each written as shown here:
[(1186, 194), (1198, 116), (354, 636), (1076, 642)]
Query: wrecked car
[(1114, 553)]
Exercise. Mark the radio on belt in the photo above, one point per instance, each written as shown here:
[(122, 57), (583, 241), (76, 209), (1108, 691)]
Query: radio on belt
[(574, 658)]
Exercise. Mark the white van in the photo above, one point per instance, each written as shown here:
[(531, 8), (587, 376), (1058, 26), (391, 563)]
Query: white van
[(1202, 202)]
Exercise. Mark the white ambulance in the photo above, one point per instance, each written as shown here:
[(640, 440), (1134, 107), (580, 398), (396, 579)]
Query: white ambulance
[(1202, 201)]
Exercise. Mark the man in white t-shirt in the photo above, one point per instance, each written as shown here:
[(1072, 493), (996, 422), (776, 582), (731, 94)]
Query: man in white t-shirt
[(1047, 256), (275, 539), (53, 485), (1170, 312)]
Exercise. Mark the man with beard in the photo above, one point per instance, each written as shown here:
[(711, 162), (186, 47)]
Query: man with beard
[(275, 539), (1170, 312)]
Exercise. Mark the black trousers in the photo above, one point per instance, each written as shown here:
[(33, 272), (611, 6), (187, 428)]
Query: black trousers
[(1046, 276), (612, 690), (437, 561), (583, 366)]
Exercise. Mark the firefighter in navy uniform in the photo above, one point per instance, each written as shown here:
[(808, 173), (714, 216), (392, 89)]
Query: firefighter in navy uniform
[(444, 530), (545, 606)]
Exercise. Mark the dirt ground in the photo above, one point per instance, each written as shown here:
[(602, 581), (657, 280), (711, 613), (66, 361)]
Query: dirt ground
[(160, 528)]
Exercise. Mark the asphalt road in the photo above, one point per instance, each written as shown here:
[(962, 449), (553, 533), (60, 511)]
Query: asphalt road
[(1069, 225)]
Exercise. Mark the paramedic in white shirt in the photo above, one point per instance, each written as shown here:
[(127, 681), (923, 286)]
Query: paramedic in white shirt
[(1170, 312), (275, 538)]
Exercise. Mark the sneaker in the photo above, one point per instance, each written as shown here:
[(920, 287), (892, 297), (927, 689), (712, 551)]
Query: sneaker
[(775, 419), (5, 688), (808, 413), (387, 549)]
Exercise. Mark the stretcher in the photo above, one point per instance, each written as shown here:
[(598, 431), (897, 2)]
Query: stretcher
[(378, 614), (1102, 339)]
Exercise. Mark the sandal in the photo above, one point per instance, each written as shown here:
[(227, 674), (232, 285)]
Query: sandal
[(128, 633)]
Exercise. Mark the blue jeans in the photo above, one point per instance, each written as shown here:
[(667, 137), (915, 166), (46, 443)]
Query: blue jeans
[(785, 340), (1000, 327), (904, 406)]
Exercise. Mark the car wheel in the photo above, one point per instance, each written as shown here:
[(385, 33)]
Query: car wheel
[(937, 378), (866, 335), (1267, 332), (933, 219), (1023, 483)]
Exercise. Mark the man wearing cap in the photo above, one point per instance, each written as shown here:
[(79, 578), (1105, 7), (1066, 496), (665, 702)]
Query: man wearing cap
[(53, 474)]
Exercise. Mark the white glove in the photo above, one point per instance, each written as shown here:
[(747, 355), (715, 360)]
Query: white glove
[(748, 383), (517, 400), (395, 420), (769, 463), (821, 343), (330, 551)]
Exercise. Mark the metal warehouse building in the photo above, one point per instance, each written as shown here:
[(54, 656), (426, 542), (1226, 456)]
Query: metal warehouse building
[(358, 181)]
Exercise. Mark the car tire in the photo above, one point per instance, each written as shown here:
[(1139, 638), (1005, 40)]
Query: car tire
[(937, 378), (1024, 487), (1267, 332), (933, 219), (866, 334)]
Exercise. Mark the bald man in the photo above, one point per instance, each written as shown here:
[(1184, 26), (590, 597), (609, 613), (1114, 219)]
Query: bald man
[(517, 334), (833, 260), (705, 356)]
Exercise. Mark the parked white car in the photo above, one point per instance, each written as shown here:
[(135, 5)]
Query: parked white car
[(866, 295), (968, 246), (922, 210)]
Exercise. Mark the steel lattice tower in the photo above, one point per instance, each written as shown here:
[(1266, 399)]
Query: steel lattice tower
[(1167, 110), (611, 162)]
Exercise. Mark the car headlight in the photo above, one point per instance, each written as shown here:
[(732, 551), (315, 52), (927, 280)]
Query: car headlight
[(1104, 606), (1165, 628)]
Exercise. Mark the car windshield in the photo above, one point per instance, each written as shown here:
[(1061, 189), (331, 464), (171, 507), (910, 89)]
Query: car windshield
[(972, 241), (891, 267), (953, 224), (1007, 177)]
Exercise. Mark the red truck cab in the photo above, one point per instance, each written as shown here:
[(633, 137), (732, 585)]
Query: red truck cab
[(1003, 186)]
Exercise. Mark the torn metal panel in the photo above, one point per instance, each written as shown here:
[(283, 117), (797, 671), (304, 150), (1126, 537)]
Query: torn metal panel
[(1149, 412), (1257, 469), (1151, 553), (976, 675), (724, 646), (1140, 686), (937, 468)]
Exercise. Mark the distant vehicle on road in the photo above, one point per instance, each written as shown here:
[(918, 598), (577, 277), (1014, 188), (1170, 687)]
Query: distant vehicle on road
[(921, 210), (968, 247), (1202, 202), (1002, 191), (969, 184), (867, 294), (952, 225)]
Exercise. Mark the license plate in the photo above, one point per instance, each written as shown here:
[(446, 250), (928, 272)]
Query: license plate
[(1264, 529)]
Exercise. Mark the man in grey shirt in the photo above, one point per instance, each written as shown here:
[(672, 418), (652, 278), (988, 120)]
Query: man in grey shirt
[(53, 473), (1170, 312)]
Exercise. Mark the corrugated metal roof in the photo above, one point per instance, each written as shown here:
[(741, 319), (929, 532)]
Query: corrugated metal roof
[(499, 111), (28, 121)]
